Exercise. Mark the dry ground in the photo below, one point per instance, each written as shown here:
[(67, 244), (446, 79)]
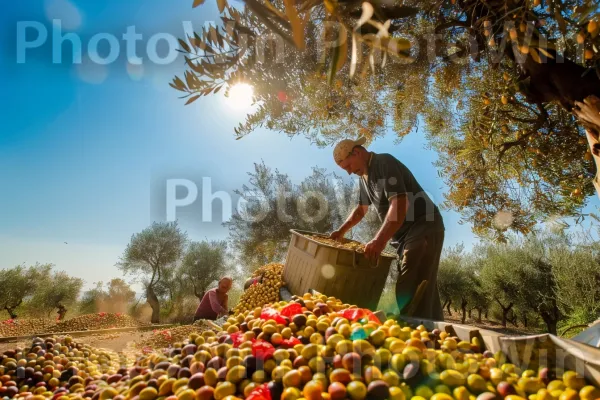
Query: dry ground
[(456, 318)]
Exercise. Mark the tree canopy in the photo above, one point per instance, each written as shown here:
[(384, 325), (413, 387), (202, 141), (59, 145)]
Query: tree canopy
[(204, 263), (492, 82), (58, 291), (116, 297), (19, 284), (150, 254), (260, 234)]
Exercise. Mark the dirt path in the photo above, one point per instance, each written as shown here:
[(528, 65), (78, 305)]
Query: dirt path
[(116, 342), (490, 325)]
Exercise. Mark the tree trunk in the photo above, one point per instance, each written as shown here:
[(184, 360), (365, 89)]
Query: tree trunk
[(448, 307), (154, 304), (479, 315), (524, 319), (11, 312), (470, 313), (551, 326), (486, 313), (464, 311), (551, 320), (505, 311)]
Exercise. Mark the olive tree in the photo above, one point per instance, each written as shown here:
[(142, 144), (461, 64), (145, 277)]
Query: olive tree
[(150, 254), (59, 292), (119, 294), (499, 276), (204, 263), (491, 82), (577, 274), (114, 297), (260, 234), (539, 289), (19, 283), (451, 282), (92, 299)]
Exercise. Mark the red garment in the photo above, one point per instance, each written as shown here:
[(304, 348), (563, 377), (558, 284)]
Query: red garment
[(211, 307)]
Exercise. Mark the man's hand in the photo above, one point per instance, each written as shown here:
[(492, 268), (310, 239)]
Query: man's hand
[(588, 111), (374, 248), (337, 235), (593, 141)]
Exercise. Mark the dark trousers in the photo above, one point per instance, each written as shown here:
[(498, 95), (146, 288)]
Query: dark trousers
[(420, 260)]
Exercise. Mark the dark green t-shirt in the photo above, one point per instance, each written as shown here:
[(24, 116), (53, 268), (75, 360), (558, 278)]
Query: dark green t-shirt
[(387, 177)]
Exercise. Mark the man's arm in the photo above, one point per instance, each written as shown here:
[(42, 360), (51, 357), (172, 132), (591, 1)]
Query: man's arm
[(226, 303), (355, 217), (393, 221)]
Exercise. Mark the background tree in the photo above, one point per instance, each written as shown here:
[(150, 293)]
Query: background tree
[(92, 300), (115, 297), (479, 299), (172, 291), (59, 292), (150, 254), (499, 277), (451, 282), (20, 283), (204, 263), (119, 294), (459, 283), (491, 81), (577, 274), (540, 287), (261, 233)]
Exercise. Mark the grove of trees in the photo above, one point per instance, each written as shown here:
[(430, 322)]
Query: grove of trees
[(172, 270), (546, 280), (38, 290)]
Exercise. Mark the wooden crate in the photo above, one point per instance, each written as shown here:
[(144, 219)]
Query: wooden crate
[(341, 273)]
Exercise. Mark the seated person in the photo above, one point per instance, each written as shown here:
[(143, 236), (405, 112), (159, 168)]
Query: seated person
[(214, 301)]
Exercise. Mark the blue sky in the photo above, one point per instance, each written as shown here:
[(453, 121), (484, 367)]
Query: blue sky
[(83, 149)]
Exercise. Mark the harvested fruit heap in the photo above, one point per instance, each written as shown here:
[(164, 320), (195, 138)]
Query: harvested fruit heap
[(288, 352), (160, 339), (25, 326), (347, 244), (264, 292), (100, 320), (55, 368)]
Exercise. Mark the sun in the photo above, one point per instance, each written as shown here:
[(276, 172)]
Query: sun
[(240, 95)]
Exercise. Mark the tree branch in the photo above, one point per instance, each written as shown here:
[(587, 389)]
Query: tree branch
[(541, 119), (451, 24)]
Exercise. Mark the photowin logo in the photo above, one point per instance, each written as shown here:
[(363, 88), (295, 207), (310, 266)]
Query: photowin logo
[(200, 202)]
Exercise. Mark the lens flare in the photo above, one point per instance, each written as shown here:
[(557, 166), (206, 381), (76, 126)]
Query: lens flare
[(241, 96), (327, 271)]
